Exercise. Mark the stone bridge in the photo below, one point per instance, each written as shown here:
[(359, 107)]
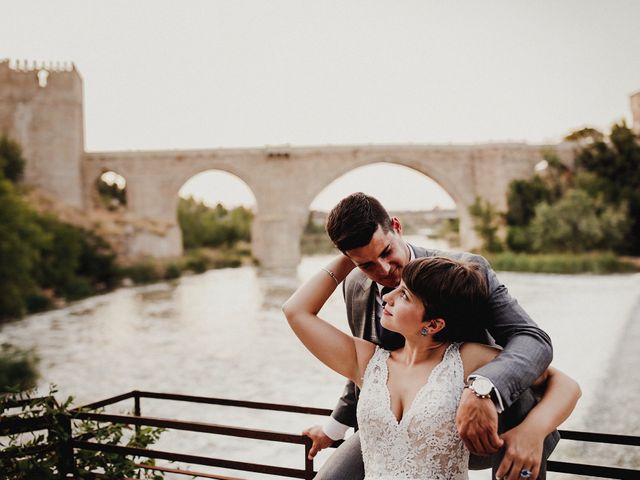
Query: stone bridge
[(41, 106), (285, 181)]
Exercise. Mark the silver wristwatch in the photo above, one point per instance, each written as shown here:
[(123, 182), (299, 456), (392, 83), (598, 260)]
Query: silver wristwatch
[(480, 386)]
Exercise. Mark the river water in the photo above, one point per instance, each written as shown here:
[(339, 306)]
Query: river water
[(222, 334)]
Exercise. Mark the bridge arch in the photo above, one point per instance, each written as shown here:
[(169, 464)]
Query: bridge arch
[(398, 187), (109, 191), (461, 192), (220, 191)]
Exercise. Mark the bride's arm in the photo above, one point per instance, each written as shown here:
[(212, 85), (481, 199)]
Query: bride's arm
[(524, 442), (341, 352)]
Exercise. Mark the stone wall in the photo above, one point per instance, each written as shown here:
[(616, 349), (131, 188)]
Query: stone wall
[(41, 108)]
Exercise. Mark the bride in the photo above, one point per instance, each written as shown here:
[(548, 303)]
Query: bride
[(409, 397)]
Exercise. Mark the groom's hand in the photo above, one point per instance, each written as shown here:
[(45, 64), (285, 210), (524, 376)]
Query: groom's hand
[(477, 423), (319, 438)]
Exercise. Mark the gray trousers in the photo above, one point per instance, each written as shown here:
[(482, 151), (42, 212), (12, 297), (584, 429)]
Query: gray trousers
[(346, 463)]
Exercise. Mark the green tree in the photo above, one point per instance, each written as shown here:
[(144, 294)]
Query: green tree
[(21, 239), (11, 160), (522, 198), (587, 134), (614, 169), (203, 226), (577, 223), (486, 224), (41, 252)]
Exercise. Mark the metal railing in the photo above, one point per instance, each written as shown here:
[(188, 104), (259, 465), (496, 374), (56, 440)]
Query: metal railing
[(138, 420)]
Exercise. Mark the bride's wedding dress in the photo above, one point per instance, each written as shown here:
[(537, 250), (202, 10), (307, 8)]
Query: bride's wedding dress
[(424, 444)]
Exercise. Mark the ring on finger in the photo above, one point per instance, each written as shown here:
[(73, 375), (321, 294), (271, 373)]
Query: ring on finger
[(525, 473)]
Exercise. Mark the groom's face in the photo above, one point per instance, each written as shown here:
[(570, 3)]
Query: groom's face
[(384, 257)]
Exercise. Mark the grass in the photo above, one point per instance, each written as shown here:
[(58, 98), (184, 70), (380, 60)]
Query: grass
[(598, 263), (196, 261)]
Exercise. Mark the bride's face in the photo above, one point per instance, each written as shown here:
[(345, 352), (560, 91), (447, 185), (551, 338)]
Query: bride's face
[(403, 312)]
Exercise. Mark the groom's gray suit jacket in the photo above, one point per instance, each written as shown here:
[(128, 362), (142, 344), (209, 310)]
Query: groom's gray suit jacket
[(527, 349)]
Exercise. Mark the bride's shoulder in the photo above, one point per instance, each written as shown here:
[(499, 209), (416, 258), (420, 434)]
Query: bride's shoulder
[(475, 355)]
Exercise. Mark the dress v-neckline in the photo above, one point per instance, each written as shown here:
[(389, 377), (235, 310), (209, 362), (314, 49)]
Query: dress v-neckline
[(406, 412)]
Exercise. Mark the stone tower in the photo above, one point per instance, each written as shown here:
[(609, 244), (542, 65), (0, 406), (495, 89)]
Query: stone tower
[(635, 111), (41, 107)]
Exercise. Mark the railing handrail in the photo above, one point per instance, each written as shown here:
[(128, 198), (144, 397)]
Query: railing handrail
[(200, 427), (15, 425), (612, 438), (595, 437), (208, 400)]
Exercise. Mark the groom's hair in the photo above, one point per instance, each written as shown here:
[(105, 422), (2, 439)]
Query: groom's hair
[(353, 221), (453, 290)]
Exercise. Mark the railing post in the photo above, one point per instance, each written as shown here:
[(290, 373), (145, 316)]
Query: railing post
[(308, 464), (66, 463), (136, 408)]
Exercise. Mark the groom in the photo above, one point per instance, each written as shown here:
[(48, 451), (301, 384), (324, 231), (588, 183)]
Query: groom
[(361, 228)]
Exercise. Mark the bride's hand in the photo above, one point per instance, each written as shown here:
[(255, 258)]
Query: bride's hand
[(523, 451)]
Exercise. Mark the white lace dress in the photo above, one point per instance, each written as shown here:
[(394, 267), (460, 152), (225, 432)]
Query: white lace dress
[(425, 444)]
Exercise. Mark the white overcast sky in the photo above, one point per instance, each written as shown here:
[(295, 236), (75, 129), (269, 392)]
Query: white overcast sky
[(205, 74)]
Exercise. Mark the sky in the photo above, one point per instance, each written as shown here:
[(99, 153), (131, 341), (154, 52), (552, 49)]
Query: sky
[(235, 73)]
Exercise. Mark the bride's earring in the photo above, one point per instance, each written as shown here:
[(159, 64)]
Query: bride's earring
[(424, 332)]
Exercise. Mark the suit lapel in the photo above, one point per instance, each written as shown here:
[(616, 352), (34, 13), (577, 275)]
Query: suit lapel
[(362, 315)]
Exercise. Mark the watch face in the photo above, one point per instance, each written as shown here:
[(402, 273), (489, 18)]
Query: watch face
[(481, 386)]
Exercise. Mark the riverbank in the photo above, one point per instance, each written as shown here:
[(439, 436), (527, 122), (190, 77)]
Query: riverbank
[(193, 261), (146, 271), (565, 263)]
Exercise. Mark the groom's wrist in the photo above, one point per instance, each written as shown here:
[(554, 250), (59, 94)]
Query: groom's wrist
[(495, 394), (334, 429)]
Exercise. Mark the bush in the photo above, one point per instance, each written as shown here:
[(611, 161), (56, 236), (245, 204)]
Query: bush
[(142, 272), (519, 239), (18, 370), (19, 462), (172, 271), (598, 263), (37, 303), (196, 262), (73, 262)]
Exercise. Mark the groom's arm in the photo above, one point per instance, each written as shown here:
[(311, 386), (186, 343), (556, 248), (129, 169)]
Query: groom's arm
[(527, 353), (343, 416), (527, 348)]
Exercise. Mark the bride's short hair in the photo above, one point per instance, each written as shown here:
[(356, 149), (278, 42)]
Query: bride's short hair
[(453, 290)]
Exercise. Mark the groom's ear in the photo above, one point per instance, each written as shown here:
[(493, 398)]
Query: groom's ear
[(396, 226)]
